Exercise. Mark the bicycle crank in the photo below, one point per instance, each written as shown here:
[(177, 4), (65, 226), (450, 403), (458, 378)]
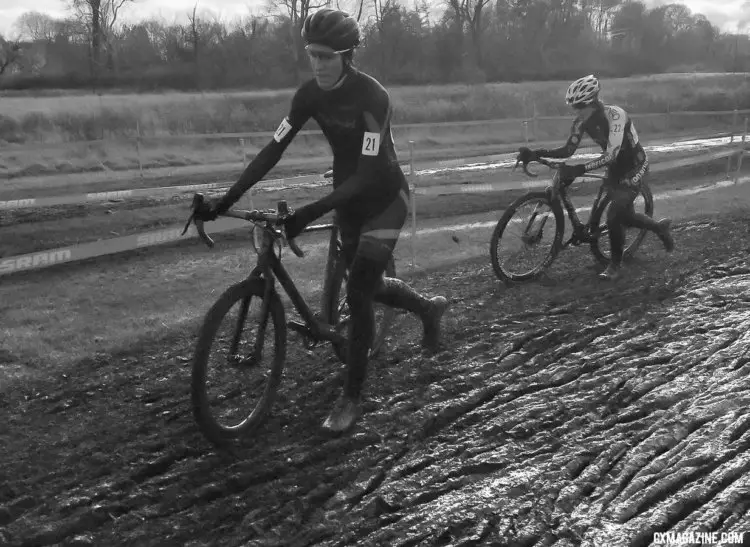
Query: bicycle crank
[(307, 338)]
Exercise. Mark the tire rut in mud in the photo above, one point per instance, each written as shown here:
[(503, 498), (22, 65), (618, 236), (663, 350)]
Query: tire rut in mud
[(563, 413)]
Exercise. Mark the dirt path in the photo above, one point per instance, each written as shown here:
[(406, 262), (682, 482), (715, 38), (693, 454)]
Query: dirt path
[(565, 412)]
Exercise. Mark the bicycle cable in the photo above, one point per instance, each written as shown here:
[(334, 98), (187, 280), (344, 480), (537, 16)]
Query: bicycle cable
[(277, 241)]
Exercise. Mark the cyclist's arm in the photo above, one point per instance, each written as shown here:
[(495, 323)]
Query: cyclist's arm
[(614, 142), (569, 148), (377, 116), (270, 155)]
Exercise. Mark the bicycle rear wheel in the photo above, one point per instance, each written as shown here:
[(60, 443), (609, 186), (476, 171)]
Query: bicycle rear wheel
[(338, 309), (527, 237), (233, 387), (600, 247)]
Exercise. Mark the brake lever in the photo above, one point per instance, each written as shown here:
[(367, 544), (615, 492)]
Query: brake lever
[(197, 202), (202, 232), (187, 225), (282, 210)]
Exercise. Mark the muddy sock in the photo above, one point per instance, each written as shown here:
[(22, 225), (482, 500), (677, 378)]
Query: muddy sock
[(616, 242), (395, 293), (360, 339)]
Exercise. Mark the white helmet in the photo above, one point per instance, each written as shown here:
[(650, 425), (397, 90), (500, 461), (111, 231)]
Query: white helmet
[(583, 91)]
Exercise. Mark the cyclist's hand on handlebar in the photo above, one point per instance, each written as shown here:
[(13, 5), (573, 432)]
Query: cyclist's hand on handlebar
[(526, 155), (298, 220), (208, 210), (568, 173)]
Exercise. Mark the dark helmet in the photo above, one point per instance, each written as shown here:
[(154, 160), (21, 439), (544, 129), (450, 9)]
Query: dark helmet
[(333, 28)]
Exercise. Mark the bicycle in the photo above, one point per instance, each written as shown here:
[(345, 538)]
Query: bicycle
[(327, 326), (555, 198)]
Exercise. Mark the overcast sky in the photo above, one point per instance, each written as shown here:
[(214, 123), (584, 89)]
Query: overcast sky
[(723, 13)]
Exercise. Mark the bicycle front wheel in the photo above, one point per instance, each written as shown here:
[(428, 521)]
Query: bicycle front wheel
[(235, 371), (339, 315), (527, 237), (600, 246)]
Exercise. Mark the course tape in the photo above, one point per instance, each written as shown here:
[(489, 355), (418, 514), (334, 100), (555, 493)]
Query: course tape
[(184, 191), (119, 195), (446, 189), (75, 253)]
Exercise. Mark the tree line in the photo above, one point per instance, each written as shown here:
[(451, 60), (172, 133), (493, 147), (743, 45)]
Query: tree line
[(471, 41)]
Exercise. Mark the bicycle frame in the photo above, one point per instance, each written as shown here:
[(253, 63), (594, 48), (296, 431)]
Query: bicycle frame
[(558, 192), (269, 266)]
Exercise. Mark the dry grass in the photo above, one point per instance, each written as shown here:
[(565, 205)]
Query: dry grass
[(163, 118), (70, 117), (116, 156)]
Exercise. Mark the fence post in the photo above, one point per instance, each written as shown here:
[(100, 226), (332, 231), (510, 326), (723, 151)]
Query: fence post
[(138, 145), (535, 130), (734, 126), (101, 115), (413, 192), (256, 236), (741, 154), (669, 115)]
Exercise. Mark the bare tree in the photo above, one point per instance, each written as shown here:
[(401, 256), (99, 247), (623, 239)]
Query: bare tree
[(10, 54), (296, 11), (470, 14), (100, 16), (194, 33), (36, 26)]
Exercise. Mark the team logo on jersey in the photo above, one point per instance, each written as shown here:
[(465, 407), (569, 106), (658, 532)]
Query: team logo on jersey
[(284, 128), (614, 115)]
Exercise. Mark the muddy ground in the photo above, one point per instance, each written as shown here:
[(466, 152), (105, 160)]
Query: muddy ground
[(565, 412)]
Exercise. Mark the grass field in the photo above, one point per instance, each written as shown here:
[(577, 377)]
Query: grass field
[(164, 119)]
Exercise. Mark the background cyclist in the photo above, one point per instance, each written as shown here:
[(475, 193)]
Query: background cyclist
[(623, 156)]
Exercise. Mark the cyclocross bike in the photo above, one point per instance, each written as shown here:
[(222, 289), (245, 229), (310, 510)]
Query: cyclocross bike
[(245, 333), (546, 216)]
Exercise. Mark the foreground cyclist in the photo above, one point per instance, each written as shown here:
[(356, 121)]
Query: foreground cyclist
[(370, 195), (624, 157)]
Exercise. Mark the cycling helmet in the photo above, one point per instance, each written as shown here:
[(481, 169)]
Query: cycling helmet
[(583, 91), (333, 28)]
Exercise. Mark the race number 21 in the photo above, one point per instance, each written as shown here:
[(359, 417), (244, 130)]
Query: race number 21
[(370, 144)]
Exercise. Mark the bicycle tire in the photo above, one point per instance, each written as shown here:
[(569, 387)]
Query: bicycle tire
[(209, 426), (335, 306), (596, 220), (497, 234)]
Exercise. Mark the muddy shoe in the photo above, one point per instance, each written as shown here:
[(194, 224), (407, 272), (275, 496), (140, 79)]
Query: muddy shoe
[(611, 273), (665, 234), (431, 323), (344, 415)]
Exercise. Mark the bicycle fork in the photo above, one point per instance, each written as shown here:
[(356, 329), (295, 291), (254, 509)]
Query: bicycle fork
[(532, 234)]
